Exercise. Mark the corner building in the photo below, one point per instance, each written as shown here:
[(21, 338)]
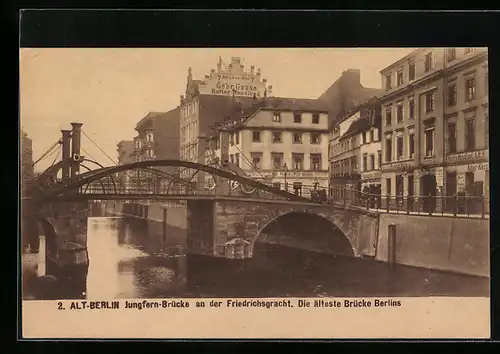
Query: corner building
[(426, 92), (281, 141)]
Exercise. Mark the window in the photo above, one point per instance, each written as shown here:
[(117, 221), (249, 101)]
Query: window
[(429, 141), (399, 185), (231, 158), (372, 135), (388, 186), (354, 163), (277, 117), (428, 62), (297, 138), (149, 137), (411, 108), (237, 159), (451, 54), (411, 70), (388, 148), (452, 94), (388, 78), (315, 118), (276, 137), (364, 137), (365, 164), (399, 79), (399, 112), (277, 159), (411, 144), (399, 146), (297, 117), (429, 102), (256, 137), (372, 162), (470, 88), (315, 162), (452, 138), (470, 135), (256, 159), (237, 136), (468, 50), (231, 139), (379, 158), (315, 138), (298, 161), (388, 115)]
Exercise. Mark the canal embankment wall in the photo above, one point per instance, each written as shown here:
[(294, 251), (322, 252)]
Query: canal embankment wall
[(173, 214), (458, 245), (443, 243)]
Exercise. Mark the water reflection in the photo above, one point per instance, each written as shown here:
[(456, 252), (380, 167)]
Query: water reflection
[(131, 259)]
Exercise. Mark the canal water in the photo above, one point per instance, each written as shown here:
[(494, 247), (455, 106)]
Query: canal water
[(130, 258)]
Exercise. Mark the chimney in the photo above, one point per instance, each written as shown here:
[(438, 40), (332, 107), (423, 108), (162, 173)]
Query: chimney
[(252, 69)]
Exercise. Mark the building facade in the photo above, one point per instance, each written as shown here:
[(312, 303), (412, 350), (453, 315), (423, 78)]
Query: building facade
[(355, 149), (434, 115), (222, 93), (281, 141), (157, 139), (125, 150)]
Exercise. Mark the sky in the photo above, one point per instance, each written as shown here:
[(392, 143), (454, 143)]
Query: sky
[(110, 89)]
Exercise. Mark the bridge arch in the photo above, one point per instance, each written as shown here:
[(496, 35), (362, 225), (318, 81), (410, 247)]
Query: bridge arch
[(304, 229)]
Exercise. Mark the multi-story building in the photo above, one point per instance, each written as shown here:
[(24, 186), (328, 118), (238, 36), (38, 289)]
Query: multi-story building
[(283, 141), (355, 149), (218, 96), (433, 118), (157, 139)]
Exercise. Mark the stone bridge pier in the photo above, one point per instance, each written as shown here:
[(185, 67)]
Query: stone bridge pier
[(230, 229)]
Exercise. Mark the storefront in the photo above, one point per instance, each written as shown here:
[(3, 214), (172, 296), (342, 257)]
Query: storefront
[(467, 181), (297, 182)]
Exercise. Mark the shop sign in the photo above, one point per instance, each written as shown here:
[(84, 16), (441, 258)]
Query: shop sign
[(468, 156), (399, 165), (370, 176), (478, 167), (439, 176)]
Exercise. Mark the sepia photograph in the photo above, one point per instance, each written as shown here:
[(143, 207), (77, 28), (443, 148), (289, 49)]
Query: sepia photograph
[(251, 174)]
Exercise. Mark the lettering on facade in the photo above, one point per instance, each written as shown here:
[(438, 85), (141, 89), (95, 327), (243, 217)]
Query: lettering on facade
[(439, 176), (370, 176), (478, 167), (467, 156), (398, 165), (237, 85)]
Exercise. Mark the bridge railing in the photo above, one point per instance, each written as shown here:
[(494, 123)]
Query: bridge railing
[(456, 205)]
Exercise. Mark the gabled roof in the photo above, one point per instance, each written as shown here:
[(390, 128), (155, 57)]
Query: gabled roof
[(147, 118), (272, 103), (358, 126)]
